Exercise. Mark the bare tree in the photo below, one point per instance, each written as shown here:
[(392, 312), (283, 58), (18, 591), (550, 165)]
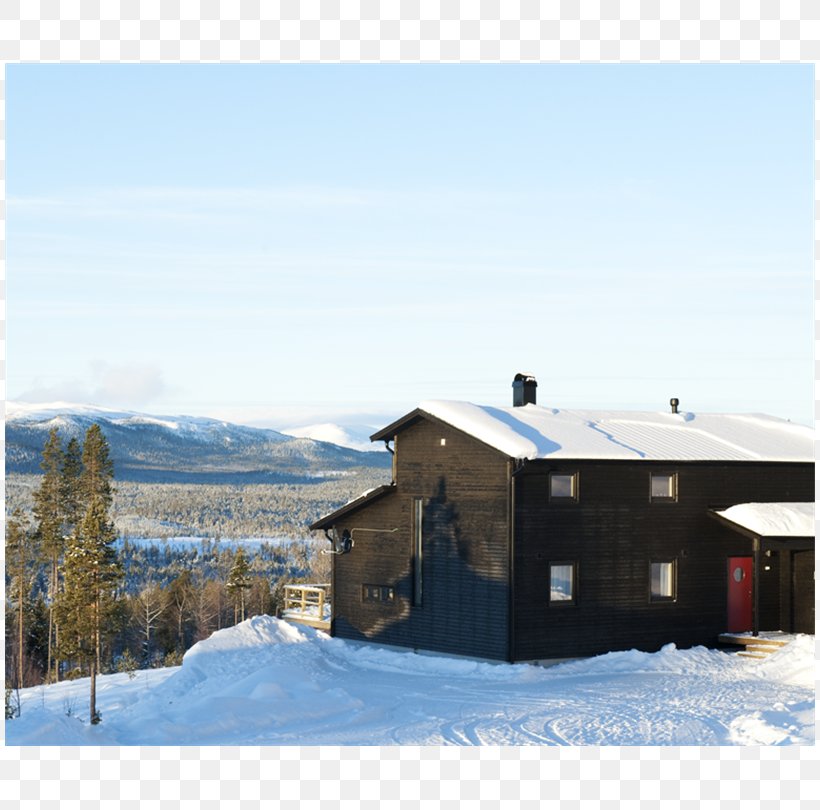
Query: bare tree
[(150, 605)]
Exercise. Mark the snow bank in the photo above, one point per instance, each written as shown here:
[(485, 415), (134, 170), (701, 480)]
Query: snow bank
[(794, 664), (265, 682)]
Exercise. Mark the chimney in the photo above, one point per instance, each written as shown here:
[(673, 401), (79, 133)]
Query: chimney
[(674, 402), (524, 386)]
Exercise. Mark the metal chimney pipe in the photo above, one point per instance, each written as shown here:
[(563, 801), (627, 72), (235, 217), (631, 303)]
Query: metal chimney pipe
[(674, 402), (524, 386)]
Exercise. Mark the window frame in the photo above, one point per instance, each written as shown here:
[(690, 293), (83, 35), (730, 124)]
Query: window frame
[(662, 599), (574, 481), (378, 594), (673, 479), (573, 600)]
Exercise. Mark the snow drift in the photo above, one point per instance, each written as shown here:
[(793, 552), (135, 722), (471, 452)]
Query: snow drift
[(265, 682)]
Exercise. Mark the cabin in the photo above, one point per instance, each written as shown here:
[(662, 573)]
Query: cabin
[(531, 533)]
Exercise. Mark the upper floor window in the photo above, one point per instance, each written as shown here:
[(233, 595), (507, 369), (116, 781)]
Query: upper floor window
[(663, 486), (564, 486)]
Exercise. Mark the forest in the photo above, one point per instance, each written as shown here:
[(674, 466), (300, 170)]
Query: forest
[(179, 560), (235, 511)]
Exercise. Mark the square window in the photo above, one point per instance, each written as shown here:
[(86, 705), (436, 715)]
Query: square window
[(562, 583), (663, 486), (662, 577), (564, 486)]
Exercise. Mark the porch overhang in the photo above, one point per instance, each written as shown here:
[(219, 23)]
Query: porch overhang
[(770, 527), (770, 521)]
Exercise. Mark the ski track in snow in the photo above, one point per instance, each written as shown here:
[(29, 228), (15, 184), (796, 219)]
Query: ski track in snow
[(265, 682)]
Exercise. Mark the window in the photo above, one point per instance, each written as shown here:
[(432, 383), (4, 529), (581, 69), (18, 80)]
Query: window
[(663, 487), (562, 583), (378, 593), (662, 585), (418, 516), (564, 486)]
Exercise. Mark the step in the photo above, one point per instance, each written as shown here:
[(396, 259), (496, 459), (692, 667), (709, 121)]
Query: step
[(757, 641)]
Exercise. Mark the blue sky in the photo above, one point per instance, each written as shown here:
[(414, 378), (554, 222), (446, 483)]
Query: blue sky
[(283, 244)]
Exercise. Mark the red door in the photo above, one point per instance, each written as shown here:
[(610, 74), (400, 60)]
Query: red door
[(740, 594)]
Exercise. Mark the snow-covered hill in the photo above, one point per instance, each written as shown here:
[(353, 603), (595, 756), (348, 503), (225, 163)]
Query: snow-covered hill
[(145, 447), (265, 682), (356, 437)]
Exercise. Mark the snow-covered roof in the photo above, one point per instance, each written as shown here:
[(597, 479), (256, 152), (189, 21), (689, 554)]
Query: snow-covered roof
[(535, 431), (773, 519), (367, 496)]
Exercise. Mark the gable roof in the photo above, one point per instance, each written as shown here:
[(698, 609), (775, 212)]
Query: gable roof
[(538, 432), (771, 519)]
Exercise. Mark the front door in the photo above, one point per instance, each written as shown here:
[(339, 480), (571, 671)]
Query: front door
[(739, 605)]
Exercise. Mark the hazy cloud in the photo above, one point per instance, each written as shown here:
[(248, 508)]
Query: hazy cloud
[(124, 385)]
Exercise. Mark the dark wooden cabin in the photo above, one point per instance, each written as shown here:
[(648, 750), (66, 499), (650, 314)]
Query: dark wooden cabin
[(531, 533)]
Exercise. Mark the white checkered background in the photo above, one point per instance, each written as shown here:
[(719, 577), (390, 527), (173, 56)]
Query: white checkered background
[(410, 31)]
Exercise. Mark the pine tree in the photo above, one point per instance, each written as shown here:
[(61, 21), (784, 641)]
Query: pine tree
[(51, 529), (97, 469), (20, 558), (91, 567), (239, 581)]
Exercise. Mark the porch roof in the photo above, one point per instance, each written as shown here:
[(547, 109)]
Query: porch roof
[(771, 519)]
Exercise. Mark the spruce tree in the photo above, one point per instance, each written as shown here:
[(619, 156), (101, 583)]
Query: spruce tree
[(71, 476)]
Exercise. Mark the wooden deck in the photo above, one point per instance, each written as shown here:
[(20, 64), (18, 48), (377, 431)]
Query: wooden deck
[(755, 646), (307, 604)]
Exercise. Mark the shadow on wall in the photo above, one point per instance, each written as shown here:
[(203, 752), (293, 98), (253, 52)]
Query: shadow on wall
[(464, 598)]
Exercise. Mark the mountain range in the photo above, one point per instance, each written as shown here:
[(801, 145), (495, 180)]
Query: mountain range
[(180, 449)]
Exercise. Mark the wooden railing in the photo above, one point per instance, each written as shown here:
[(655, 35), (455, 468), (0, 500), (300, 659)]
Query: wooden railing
[(306, 603)]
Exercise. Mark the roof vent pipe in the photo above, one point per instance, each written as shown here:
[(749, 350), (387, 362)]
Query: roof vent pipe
[(674, 402), (524, 386)]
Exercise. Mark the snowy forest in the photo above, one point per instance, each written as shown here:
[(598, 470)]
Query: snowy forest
[(86, 554)]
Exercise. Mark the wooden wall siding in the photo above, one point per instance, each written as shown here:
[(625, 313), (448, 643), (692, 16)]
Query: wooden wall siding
[(613, 532), (802, 608), (465, 603), (769, 581)]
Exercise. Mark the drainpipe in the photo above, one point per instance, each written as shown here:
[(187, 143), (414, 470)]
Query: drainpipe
[(755, 586), (514, 467), (392, 452)]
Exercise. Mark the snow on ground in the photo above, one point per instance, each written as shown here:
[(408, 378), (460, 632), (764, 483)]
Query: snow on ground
[(265, 682)]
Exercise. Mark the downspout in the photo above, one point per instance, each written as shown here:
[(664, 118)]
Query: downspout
[(332, 591), (755, 586), (392, 452), (513, 467)]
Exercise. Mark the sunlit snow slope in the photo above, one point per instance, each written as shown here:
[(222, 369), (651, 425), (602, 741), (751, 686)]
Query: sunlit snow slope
[(265, 682)]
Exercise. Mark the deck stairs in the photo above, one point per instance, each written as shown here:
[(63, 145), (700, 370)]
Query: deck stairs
[(755, 646)]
